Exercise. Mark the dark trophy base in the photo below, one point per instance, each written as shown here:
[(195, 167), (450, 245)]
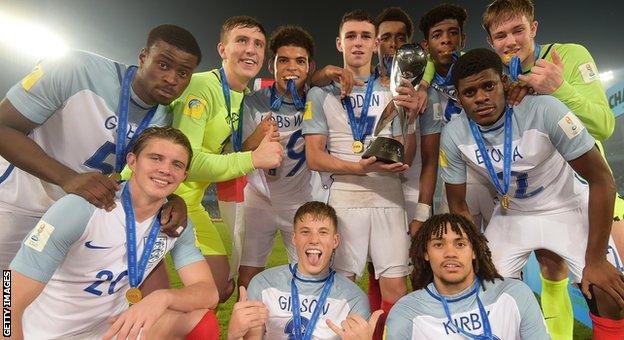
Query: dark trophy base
[(386, 150)]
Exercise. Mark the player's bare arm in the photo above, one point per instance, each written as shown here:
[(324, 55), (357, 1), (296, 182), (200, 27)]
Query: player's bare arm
[(456, 196), (199, 293), (598, 270), (28, 291), (429, 152), (319, 159), (23, 152), (343, 76)]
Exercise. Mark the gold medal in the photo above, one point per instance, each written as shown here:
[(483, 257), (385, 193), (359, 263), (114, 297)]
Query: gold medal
[(133, 295), (357, 147), (505, 201), (115, 176)]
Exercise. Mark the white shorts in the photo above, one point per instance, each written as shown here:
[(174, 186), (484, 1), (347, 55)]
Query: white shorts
[(261, 226), (512, 238), (13, 230), (380, 232)]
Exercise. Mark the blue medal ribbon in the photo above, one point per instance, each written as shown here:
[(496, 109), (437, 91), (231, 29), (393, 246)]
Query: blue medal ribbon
[(446, 81), (294, 292), (358, 125), (276, 101), (487, 328), (121, 149), (476, 133), (136, 272), (515, 64), (237, 135)]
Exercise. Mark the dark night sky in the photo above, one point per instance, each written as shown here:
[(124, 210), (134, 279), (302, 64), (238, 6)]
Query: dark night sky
[(117, 29)]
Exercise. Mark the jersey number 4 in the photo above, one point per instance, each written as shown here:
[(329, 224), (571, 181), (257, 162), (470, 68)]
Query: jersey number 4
[(98, 160)]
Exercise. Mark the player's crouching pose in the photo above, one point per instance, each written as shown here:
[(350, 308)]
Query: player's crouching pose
[(305, 300), (458, 292), (272, 196), (81, 266), (531, 152)]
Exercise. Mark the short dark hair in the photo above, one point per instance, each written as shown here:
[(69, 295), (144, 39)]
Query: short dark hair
[(475, 61), (396, 14), (290, 35), (356, 15), (176, 36), (163, 132), (503, 10), (440, 13), (318, 211), (243, 21), (436, 226)]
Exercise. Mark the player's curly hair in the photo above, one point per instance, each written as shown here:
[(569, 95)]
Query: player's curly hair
[(396, 14), (475, 61), (436, 226), (318, 211), (163, 132), (440, 13), (291, 35), (503, 10)]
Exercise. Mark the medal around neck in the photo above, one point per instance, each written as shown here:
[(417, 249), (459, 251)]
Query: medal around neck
[(409, 63)]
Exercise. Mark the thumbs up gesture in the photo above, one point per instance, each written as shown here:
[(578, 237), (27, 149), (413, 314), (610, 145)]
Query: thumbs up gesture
[(246, 315), (354, 327), (268, 154), (545, 77)]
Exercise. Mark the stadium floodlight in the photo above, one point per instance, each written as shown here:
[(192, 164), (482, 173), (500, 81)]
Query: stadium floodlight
[(606, 76), (29, 38)]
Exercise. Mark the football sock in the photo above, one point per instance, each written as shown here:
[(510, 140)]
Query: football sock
[(606, 329), (557, 309)]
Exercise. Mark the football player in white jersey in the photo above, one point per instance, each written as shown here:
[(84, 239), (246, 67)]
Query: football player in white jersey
[(75, 267), (458, 292), (58, 128), (307, 299), (272, 196), (366, 194), (531, 153)]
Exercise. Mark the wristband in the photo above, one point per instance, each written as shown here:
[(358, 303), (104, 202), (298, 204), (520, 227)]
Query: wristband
[(423, 212)]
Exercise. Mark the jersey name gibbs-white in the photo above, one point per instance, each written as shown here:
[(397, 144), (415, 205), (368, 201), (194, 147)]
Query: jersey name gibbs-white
[(80, 253), (289, 184), (511, 308), (272, 287), (546, 135), (75, 100)]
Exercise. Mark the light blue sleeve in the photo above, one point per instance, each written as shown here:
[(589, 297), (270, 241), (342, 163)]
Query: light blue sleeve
[(398, 323), (565, 130), (38, 95), (184, 251), (162, 117), (314, 120), (532, 325), (254, 290), (429, 124), (452, 165), (359, 301), (69, 217), (248, 113)]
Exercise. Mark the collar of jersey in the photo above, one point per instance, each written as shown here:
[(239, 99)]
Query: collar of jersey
[(493, 127), (134, 99), (308, 278), (431, 289)]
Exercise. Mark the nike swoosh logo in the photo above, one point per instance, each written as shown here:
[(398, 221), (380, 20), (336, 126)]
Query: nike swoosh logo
[(549, 317), (89, 245)]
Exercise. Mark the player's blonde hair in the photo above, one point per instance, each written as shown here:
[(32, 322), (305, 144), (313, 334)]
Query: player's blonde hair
[(503, 10), (163, 132), (435, 227)]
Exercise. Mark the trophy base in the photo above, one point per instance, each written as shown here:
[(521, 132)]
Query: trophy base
[(386, 150)]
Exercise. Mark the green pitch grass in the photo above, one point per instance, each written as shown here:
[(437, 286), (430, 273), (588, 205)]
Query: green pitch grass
[(279, 257)]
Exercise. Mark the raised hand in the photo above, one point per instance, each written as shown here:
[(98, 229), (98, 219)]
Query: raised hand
[(246, 315), (95, 187), (268, 154), (354, 327)]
